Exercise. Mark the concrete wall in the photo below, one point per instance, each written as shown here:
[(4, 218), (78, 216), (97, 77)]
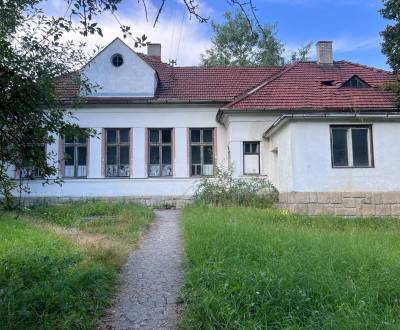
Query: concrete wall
[(245, 127), (309, 185), (133, 78), (309, 152)]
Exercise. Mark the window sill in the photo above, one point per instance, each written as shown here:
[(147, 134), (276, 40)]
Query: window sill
[(351, 167)]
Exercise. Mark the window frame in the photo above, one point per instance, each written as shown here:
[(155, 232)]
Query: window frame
[(118, 146), (76, 145), (201, 144), (350, 146), (258, 153), (160, 144)]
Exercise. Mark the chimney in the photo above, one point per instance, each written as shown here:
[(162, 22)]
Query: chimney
[(154, 50), (324, 53)]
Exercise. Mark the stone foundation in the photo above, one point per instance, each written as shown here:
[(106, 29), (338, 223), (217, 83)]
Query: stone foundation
[(348, 204), (150, 201)]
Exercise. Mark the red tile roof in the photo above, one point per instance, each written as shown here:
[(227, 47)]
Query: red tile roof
[(300, 86), (297, 86)]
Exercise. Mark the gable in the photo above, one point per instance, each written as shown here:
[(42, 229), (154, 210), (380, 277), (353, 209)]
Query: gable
[(355, 82), (119, 71)]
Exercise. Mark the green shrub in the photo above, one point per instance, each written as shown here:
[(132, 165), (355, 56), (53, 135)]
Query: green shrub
[(226, 190)]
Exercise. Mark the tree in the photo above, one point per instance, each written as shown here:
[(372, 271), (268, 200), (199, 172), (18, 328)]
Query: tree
[(391, 40), (31, 60), (239, 42), (302, 54)]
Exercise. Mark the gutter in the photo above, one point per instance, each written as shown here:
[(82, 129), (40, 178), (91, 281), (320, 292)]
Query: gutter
[(286, 117)]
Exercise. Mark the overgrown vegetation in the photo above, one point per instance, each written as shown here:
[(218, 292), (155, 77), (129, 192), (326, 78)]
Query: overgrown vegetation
[(267, 269), (59, 264), (226, 190)]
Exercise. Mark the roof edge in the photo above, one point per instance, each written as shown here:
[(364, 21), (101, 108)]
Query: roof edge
[(286, 117)]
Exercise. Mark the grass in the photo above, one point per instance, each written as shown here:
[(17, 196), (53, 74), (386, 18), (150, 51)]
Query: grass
[(59, 264), (257, 269)]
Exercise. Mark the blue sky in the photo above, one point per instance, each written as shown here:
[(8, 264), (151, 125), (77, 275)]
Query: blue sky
[(353, 26)]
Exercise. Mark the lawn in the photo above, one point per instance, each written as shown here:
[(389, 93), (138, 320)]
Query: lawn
[(59, 264), (257, 269)]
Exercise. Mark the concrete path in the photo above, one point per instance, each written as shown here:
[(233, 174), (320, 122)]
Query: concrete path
[(151, 279)]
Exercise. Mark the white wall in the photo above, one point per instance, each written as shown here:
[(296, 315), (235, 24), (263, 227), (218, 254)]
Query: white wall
[(248, 127), (310, 154), (133, 78), (138, 118)]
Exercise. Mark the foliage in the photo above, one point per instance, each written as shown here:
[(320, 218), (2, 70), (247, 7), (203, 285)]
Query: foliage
[(49, 279), (260, 268), (226, 190), (302, 54), (237, 42), (391, 39), (32, 57), (241, 41)]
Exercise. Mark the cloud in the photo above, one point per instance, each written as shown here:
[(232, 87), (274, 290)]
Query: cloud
[(182, 38), (348, 44)]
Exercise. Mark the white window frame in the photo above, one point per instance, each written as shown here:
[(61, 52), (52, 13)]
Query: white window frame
[(251, 153), (349, 136)]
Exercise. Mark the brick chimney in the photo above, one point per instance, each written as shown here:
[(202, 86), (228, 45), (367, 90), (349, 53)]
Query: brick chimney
[(324, 53), (154, 50)]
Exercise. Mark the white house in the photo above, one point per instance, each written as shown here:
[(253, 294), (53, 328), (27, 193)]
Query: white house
[(325, 133)]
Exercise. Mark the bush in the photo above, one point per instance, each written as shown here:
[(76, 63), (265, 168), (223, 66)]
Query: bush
[(225, 190)]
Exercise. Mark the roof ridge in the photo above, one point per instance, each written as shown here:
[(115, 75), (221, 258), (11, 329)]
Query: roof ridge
[(371, 68), (254, 89)]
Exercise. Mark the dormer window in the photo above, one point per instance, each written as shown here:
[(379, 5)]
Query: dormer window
[(355, 82), (117, 60)]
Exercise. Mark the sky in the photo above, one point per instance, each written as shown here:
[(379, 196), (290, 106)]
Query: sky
[(352, 25)]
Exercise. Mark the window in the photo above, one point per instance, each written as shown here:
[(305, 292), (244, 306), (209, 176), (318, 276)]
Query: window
[(251, 158), (117, 152), (117, 60), (75, 157), (160, 152), (355, 82), (351, 146), (202, 151), (33, 156)]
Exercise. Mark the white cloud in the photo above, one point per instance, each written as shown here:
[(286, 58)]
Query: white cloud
[(348, 44), (181, 37)]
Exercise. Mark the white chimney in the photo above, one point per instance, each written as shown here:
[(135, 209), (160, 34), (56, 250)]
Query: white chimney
[(324, 52), (154, 49)]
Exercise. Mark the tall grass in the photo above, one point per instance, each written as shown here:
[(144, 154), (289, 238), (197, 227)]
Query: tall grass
[(59, 264), (258, 269)]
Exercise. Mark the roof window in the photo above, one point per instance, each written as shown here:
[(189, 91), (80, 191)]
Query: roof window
[(355, 82), (327, 82)]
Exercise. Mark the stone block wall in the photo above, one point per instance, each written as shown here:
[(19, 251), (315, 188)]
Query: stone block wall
[(150, 201), (348, 204)]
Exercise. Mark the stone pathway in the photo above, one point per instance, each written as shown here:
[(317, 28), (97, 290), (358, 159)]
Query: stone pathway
[(151, 279)]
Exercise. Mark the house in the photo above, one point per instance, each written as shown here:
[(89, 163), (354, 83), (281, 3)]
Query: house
[(325, 133)]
